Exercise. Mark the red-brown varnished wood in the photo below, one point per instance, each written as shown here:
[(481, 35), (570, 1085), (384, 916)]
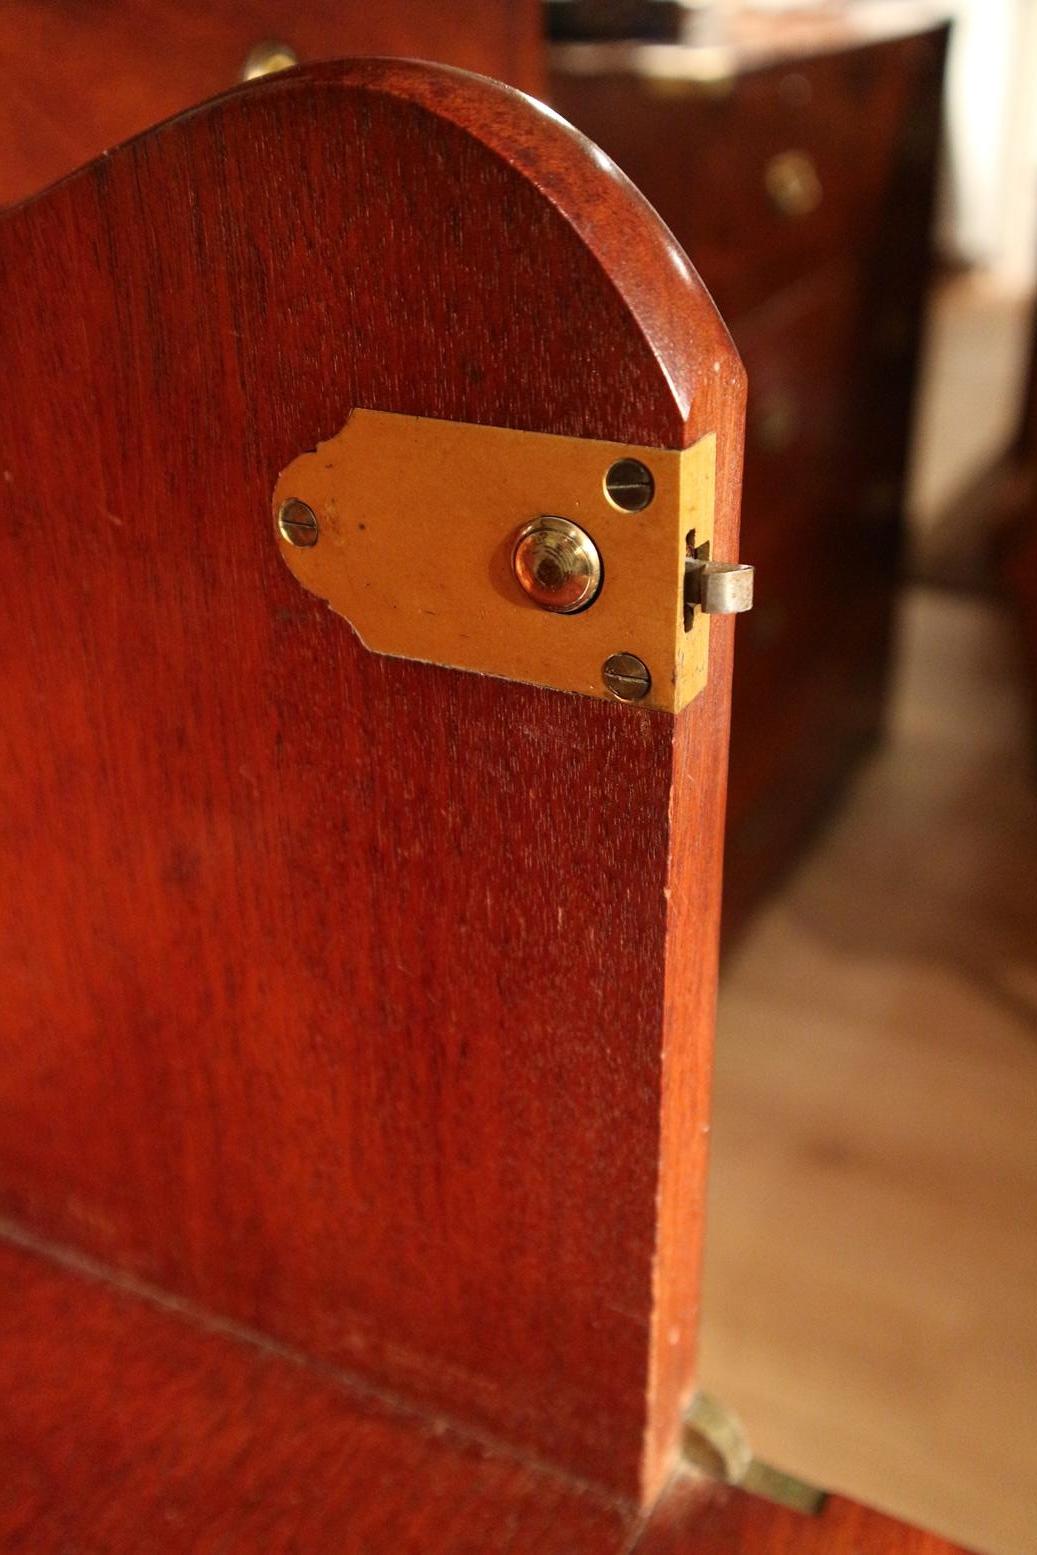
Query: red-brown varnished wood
[(365, 1003), (127, 1427), (77, 78)]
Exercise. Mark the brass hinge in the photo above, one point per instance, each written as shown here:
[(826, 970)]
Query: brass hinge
[(714, 1443), (566, 562)]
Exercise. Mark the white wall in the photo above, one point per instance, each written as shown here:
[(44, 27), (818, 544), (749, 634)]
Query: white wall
[(990, 204)]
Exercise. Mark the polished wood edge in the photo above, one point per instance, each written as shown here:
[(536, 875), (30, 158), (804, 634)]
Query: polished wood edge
[(632, 245)]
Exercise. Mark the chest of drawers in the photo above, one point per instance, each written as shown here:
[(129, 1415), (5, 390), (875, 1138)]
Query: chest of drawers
[(797, 171)]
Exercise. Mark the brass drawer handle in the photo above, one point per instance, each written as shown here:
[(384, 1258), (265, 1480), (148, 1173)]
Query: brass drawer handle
[(792, 183), (266, 59)]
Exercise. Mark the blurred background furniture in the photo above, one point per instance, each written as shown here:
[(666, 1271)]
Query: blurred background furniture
[(1018, 485), (796, 165), (78, 79)]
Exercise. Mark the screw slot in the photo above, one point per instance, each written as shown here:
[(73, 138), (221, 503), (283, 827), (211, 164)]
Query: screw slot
[(629, 485), (627, 677), (298, 523)]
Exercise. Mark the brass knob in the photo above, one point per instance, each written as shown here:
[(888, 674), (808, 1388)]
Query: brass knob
[(792, 183), (557, 565)]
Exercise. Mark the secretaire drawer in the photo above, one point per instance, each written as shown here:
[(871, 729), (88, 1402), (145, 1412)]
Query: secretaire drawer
[(767, 174)]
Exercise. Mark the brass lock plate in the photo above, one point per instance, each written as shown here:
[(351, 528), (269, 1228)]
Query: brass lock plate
[(412, 529)]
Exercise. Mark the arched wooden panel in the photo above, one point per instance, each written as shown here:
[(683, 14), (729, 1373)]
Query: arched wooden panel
[(364, 1003)]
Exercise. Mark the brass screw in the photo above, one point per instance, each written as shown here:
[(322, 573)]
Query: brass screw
[(298, 523), (629, 485), (627, 677)]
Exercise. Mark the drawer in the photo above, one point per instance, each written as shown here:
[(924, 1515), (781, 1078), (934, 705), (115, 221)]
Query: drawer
[(801, 355), (785, 778), (810, 657), (789, 166)]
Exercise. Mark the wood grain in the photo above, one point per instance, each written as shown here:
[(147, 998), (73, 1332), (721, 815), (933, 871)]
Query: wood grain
[(79, 78), (364, 1003), (129, 1427)]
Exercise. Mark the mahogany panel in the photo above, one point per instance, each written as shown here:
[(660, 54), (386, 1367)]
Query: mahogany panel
[(76, 79), (130, 1426), (363, 1002), (126, 1428)]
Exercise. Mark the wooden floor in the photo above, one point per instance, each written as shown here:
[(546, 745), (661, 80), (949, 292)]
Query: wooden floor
[(972, 378), (871, 1300)]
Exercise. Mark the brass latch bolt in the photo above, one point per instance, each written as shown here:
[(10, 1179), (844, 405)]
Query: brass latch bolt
[(719, 588)]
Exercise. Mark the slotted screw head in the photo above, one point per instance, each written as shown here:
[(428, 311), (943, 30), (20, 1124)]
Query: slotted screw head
[(629, 485), (627, 677), (298, 523)]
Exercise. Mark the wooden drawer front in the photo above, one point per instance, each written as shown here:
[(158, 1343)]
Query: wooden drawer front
[(810, 658), (791, 166), (800, 523), (802, 359)]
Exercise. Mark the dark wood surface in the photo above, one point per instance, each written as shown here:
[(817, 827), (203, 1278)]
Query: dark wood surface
[(129, 1427), (826, 307), (365, 1003), (1007, 502), (77, 79)]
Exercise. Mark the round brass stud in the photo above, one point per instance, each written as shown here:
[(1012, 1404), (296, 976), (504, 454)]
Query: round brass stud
[(557, 565)]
